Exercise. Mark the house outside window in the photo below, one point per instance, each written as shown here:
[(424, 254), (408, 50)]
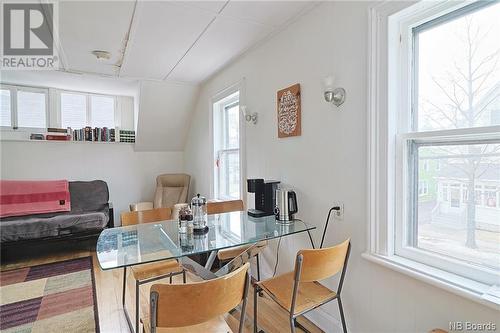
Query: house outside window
[(435, 144), (448, 97)]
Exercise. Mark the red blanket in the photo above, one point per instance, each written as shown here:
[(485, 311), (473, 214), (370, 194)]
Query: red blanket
[(19, 197)]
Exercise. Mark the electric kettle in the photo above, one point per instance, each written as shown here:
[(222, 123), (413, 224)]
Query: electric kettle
[(286, 205)]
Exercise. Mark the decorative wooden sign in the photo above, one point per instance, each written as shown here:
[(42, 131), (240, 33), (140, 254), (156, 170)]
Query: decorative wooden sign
[(289, 111)]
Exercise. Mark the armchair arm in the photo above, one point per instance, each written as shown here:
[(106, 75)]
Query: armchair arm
[(138, 206)]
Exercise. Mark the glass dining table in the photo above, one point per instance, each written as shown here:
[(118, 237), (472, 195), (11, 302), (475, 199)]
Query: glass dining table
[(150, 242), (122, 247)]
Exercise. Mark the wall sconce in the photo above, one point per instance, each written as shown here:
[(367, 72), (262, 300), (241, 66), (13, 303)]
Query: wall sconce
[(331, 94), (250, 117)]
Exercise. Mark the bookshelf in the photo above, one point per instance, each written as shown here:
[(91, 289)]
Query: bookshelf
[(68, 142)]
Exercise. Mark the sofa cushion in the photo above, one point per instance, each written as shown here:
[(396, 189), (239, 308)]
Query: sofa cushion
[(33, 227), (88, 196)]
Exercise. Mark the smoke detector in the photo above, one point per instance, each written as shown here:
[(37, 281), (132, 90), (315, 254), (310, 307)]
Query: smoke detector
[(101, 55)]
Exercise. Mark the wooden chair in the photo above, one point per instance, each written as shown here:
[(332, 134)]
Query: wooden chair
[(218, 207), (199, 306), (145, 216), (299, 291), (148, 272)]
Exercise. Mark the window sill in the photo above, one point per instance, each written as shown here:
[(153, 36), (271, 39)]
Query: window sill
[(473, 290)]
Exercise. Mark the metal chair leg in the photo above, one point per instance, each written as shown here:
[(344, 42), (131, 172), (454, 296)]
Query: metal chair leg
[(341, 310), (258, 266), (255, 298), (299, 325), (292, 325), (183, 276), (137, 293), (170, 279), (124, 284)]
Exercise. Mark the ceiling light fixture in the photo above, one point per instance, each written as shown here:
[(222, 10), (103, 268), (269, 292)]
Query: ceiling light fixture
[(101, 55)]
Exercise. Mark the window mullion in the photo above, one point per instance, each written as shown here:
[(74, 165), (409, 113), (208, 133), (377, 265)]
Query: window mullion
[(89, 111), (412, 198), (13, 103)]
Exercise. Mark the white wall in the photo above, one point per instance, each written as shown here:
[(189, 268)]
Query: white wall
[(130, 175), (165, 110), (327, 163)]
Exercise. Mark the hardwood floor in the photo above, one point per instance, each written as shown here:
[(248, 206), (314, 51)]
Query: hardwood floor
[(272, 318)]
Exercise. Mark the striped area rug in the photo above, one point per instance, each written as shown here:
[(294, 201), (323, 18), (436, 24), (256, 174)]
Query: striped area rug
[(54, 297)]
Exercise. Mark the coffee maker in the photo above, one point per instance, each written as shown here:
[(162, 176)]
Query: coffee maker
[(265, 196)]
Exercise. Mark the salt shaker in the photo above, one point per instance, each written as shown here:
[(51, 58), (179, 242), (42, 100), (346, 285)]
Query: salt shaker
[(185, 217)]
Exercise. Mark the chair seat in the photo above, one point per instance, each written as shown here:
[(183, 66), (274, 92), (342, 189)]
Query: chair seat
[(146, 271), (310, 295), (233, 252), (216, 325)]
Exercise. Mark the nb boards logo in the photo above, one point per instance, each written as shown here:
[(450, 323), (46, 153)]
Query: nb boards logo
[(28, 36)]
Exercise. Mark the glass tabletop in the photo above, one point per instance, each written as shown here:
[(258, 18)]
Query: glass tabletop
[(142, 243)]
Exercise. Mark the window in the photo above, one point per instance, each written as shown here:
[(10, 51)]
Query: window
[(102, 111), (79, 110), (31, 109), (434, 144), (73, 110), (24, 107), (226, 147), (5, 108), (454, 85)]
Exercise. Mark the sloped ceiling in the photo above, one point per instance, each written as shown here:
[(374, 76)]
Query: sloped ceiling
[(166, 40), (164, 118), (167, 48)]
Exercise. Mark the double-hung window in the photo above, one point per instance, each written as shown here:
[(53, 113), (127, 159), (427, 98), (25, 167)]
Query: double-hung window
[(79, 110), (435, 145), (23, 107), (226, 147), (455, 94)]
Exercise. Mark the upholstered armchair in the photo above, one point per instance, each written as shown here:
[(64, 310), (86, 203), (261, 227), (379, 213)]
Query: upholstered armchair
[(171, 189)]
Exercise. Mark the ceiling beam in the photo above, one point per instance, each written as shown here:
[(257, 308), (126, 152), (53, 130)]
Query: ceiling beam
[(195, 41), (128, 37)]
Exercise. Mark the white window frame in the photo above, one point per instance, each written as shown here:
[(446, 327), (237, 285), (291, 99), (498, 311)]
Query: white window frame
[(13, 106), (52, 109), (239, 86), (88, 100), (389, 129)]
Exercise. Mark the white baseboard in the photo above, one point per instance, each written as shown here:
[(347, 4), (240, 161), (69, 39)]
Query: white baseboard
[(325, 321)]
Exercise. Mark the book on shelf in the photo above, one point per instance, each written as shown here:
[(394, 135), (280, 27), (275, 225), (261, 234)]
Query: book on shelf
[(37, 136), (96, 134), (58, 137), (127, 136), (57, 130)]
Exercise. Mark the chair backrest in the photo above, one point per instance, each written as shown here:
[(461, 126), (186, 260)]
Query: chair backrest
[(218, 207), (138, 206), (145, 216), (319, 264), (171, 189), (194, 303)]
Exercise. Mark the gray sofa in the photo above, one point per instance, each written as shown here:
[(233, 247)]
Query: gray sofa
[(90, 214)]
